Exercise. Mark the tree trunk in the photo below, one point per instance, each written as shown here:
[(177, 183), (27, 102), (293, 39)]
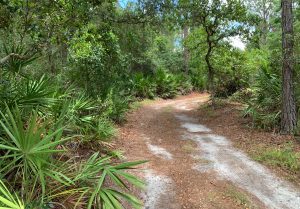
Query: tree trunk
[(264, 23), (64, 53), (288, 117), (51, 61), (186, 55), (211, 86)]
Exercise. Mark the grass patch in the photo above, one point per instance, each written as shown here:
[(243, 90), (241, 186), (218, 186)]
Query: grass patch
[(239, 197), (284, 157), (138, 104), (147, 101)]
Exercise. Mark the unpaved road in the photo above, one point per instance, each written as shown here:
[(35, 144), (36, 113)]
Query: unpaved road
[(192, 167)]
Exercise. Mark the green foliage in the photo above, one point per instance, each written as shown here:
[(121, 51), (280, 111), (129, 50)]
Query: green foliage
[(229, 63), (264, 105), (35, 93), (215, 22), (166, 85), (105, 128), (85, 116), (231, 74), (282, 157), (143, 86), (9, 200), (242, 96), (198, 80), (26, 92), (92, 51), (162, 84), (96, 58), (165, 54), (33, 142), (115, 105), (79, 110), (109, 197), (16, 64), (184, 84), (26, 152), (32, 152)]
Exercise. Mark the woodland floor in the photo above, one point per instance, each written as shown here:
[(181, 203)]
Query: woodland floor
[(198, 157)]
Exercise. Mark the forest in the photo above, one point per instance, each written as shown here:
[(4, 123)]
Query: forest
[(72, 70)]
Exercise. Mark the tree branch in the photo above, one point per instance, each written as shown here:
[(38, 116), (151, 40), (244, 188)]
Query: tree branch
[(12, 55)]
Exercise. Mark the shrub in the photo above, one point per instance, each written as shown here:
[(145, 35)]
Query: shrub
[(93, 49), (243, 95), (162, 84), (115, 105), (26, 93), (198, 80), (226, 87), (166, 85), (104, 128), (143, 86), (32, 152), (184, 85), (15, 66), (264, 105), (86, 117), (27, 149)]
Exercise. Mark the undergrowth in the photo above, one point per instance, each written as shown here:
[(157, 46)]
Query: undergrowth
[(162, 83), (284, 157)]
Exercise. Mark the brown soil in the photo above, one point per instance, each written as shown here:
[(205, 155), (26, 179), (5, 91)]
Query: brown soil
[(155, 123)]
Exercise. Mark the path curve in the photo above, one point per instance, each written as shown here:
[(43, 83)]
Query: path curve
[(192, 167)]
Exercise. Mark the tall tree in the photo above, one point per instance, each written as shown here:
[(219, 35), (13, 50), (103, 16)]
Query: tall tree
[(183, 16), (264, 10), (219, 20), (288, 117), (185, 49)]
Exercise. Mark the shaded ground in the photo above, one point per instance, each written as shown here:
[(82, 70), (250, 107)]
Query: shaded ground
[(190, 166)]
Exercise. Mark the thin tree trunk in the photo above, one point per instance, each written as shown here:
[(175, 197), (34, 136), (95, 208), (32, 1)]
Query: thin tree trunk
[(50, 60), (264, 24), (264, 31), (64, 53), (288, 117), (211, 86), (186, 55)]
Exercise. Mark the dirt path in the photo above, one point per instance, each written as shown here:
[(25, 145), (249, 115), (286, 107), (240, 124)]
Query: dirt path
[(192, 167)]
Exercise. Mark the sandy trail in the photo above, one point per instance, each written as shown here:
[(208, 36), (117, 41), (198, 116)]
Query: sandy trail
[(192, 167)]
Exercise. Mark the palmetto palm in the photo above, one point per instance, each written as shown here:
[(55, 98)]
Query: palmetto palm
[(8, 200), (30, 155), (27, 151)]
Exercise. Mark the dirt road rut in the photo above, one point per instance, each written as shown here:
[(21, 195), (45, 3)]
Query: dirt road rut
[(192, 167)]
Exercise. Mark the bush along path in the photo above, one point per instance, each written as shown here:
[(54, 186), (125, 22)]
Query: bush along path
[(190, 166)]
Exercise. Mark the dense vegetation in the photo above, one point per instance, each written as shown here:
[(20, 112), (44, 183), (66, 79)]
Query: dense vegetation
[(69, 71)]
